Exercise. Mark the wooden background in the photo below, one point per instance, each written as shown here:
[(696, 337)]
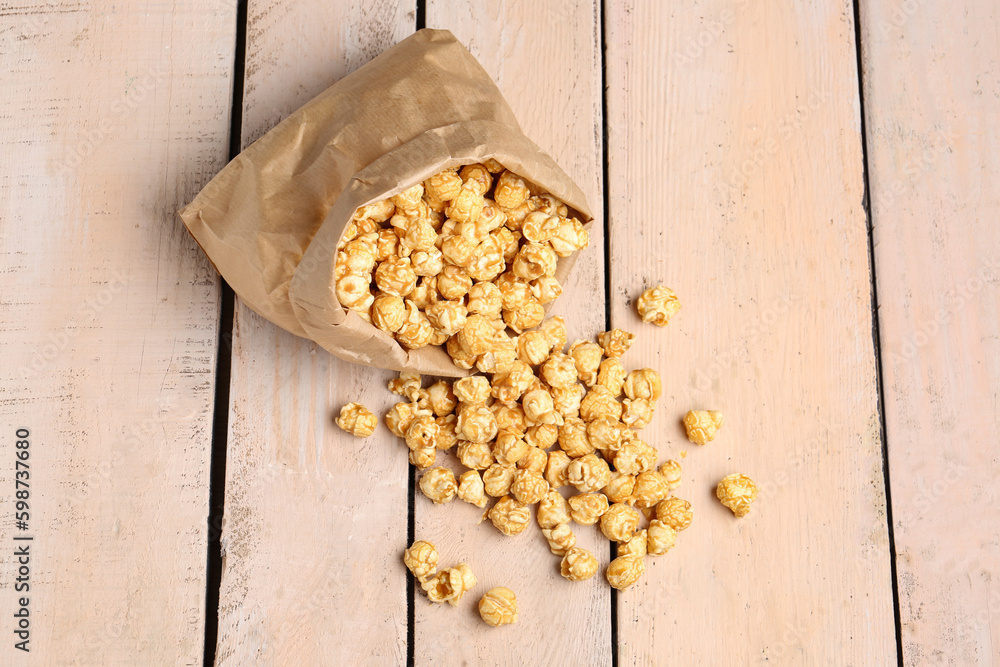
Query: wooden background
[(816, 179)]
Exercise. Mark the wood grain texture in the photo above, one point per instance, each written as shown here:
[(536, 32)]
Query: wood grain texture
[(111, 118), (315, 520), (546, 61), (932, 97), (736, 179)]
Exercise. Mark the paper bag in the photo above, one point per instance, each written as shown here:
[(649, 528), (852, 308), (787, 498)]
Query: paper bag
[(271, 219)]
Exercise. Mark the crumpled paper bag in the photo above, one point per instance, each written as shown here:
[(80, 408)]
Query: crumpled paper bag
[(271, 219)]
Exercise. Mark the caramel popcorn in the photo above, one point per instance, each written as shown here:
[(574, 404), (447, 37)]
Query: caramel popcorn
[(396, 277), (510, 418), (620, 522), (533, 347), (450, 584), (573, 438), (475, 455), (606, 433), (560, 538), (587, 358), (439, 485), (599, 402), (546, 289), (616, 342), (379, 211), (510, 516), (637, 413), (634, 456), (643, 383), (538, 407), (702, 425), (555, 469), (511, 190), (448, 317), (529, 315), (559, 370), (661, 538), (533, 261), (542, 436), (567, 400), (671, 471), (500, 358), (388, 312), (508, 387), (552, 510), (650, 488), (386, 245), (472, 389), (357, 420), (539, 227), (453, 283), (446, 437), (498, 607), (476, 337), (578, 564), (571, 237), (422, 432), (509, 448), (444, 186), (476, 422), (611, 376), (422, 457), (354, 292), (467, 206), (675, 513), (408, 198), (737, 492), (588, 508), (471, 488), (424, 294), (458, 250), (657, 305), (529, 487), (458, 355), (494, 166), (588, 473), (498, 478), (406, 384), (534, 459), (487, 261), (441, 398), (476, 177), (625, 571), (619, 489), (635, 545), (421, 559)]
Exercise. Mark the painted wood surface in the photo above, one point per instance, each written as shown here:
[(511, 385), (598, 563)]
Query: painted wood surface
[(315, 520), (112, 117), (736, 178), (932, 83), (546, 60)]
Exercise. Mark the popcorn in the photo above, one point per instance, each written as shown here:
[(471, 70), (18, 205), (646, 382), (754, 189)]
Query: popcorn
[(406, 384), (671, 471), (377, 212), (637, 413), (559, 370), (542, 436), (514, 292), (570, 237), (510, 418), (446, 437), (388, 313), (508, 387), (533, 347), (606, 433), (552, 510), (567, 399), (587, 358), (560, 538), (476, 337), (511, 191), (498, 607), (423, 457), (439, 485), (634, 456), (650, 488), (421, 559), (539, 227), (498, 478), (354, 292), (471, 488), (620, 522), (459, 356), (588, 473), (357, 420), (458, 250), (396, 277), (554, 329), (441, 398), (450, 584), (467, 206), (476, 177), (475, 455), (546, 289), (529, 315), (587, 508), (625, 571), (444, 186), (538, 407), (643, 383), (619, 489), (472, 389), (476, 422), (573, 439), (408, 198), (529, 487), (453, 282), (737, 492), (422, 432), (534, 459), (599, 402), (657, 305), (416, 331), (485, 299), (533, 261), (428, 263), (510, 516), (509, 448), (611, 376), (555, 469), (674, 512), (661, 538), (702, 425), (635, 545), (578, 564)]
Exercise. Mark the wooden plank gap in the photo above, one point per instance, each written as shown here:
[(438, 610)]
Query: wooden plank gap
[(876, 335)]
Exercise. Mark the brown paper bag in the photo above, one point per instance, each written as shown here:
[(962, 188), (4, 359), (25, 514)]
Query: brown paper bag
[(271, 219)]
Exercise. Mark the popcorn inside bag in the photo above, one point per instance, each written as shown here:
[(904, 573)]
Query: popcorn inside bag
[(472, 227)]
